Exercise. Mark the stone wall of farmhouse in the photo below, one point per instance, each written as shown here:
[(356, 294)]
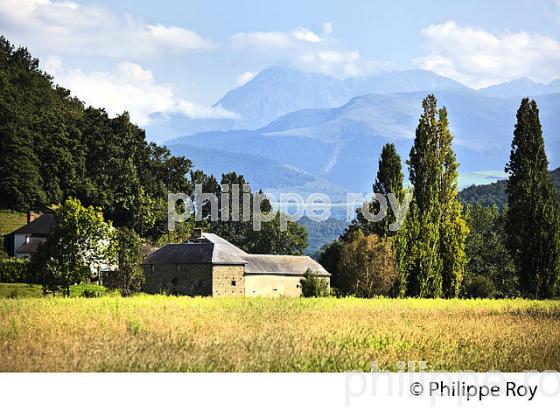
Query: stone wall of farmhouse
[(218, 280), (228, 280), (184, 279)]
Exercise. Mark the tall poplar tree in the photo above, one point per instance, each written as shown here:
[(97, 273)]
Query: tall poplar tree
[(389, 180), (532, 221), (431, 255)]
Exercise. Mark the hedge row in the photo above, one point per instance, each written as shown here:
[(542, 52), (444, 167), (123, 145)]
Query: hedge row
[(14, 270)]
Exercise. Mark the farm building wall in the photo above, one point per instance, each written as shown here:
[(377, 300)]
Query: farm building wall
[(273, 285), (228, 280), (179, 279)]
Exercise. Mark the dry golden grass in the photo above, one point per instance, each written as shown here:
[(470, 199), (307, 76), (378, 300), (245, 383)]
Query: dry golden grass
[(161, 333)]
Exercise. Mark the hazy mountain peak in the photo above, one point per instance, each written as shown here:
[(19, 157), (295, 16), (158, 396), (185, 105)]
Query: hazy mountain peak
[(276, 91), (401, 81), (522, 87)]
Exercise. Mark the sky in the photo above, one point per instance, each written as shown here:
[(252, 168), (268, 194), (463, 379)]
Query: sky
[(180, 57)]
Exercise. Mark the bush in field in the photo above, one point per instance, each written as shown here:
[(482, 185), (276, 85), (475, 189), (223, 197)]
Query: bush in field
[(313, 286), (14, 270), (367, 266), (479, 287), (88, 290)]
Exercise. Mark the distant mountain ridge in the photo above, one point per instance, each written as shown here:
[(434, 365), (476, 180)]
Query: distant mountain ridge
[(391, 82), (341, 145), (277, 91), (305, 131), (522, 87)]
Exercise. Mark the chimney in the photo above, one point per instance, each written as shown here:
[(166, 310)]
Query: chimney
[(31, 216), (197, 233)]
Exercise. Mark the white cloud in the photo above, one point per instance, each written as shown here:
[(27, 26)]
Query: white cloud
[(304, 34), (340, 63), (479, 58), (276, 39), (63, 27), (260, 39), (129, 87), (245, 78), (303, 49), (177, 37)]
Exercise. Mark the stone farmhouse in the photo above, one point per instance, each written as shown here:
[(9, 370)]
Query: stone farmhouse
[(208, 265)]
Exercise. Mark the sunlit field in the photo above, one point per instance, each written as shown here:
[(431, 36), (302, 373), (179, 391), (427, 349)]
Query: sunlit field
[(162, 333)]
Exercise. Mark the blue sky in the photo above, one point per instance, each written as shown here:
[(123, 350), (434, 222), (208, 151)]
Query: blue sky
[(182, 56)]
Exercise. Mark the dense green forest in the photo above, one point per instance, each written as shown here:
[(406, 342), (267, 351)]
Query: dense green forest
[(495, 193), (53, 147)]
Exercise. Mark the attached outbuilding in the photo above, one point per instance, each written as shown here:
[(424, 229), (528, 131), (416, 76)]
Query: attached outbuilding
[(208, 265)]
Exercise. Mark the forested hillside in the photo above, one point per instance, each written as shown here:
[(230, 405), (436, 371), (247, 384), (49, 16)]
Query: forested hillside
[(495, 193), (321, 233), (53, 147)]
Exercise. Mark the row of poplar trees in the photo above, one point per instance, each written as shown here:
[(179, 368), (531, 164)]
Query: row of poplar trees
[(430, 244)]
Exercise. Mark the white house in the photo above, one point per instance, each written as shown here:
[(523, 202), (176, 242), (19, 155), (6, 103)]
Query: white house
[(24, 241)]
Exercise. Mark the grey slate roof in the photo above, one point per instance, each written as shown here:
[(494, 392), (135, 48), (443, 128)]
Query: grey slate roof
[(40, 226), (208, 249), (282, 265), (212, 249)]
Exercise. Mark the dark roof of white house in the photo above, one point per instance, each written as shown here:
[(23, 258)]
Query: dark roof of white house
[(210, 248), (31, 246), (40, 226)]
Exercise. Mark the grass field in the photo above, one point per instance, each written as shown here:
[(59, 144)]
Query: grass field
[(162, 333), (24, 290)]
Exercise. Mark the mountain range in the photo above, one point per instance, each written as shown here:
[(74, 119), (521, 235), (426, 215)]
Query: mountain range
[(308, 132)]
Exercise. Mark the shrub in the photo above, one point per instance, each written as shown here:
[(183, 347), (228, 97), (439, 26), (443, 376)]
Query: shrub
[(313, 286), (367, 266), (480, 287), (87, 290), (13, 270)]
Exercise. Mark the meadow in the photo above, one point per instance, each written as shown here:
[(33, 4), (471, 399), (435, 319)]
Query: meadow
[(165, 333)]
